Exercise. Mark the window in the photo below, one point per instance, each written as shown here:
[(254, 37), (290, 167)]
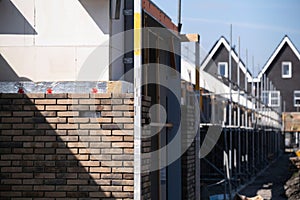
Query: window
[(297, 98), (286, 69), (223, 69), (271, 98)]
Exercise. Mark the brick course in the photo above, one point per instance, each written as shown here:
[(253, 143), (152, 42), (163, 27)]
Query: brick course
[(60, 146)]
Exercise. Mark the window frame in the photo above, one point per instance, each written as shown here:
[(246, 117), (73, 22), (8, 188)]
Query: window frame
[(267, 98), (226, 69), (289, 75), (296, 98)]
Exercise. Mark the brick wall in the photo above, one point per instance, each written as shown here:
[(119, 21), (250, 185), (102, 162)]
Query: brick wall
[(60, 146), (188, 162)]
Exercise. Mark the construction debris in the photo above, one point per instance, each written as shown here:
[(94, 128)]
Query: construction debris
[(292, 186)]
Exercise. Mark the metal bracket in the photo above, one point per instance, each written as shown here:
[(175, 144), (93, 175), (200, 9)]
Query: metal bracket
[(127, 60), (128, 12)]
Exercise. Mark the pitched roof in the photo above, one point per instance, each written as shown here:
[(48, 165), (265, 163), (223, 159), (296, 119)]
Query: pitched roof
[(223, 41), (285, 39)]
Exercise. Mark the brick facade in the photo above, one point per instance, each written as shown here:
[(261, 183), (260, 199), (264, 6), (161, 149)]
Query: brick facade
[(73, 146)]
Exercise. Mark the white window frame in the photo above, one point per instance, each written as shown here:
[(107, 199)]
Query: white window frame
[(269, 96), (289, 75), (226, 69), (296, 98)]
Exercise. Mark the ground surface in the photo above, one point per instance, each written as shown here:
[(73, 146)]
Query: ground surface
[(270, 183)]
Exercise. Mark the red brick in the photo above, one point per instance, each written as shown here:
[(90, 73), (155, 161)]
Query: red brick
[(78, 144), (55, 194), (35, 95), (122, 95), (111, 188), (11, 169), (11, 96), (69, 138), (44, 187), (68, 114), (112, 126), (90, 138), (78, 132), (32, 181), (56, 120), (44, 175), (89, 101), (22, 101), (5, 114), (5, 138), (45, 126), (23, 114), (66, 188), (111, 163), (78, 107), (33, 144), (101, 120), (77, 182), (59, 108), (128, 188), (129, 114), (101, 107), (11, 120), (23, 126), (128, 126), (45, 138), (123, 194), (100, 157), (111, 113), (45, 101), (44, 151), (122, 132), (56, 96), (128, 163), (112, 138), (23, 150), (100, 194), (78, 120), (101, 96), (22, 175), (123, 107), (122, 120), (90, 163), (100, 144), (128, 138), (123, 157), (11, 181), (111, 151), (67, 101), (22, 187), (34, 107), (122, 170), (100, 132), (89, 126), (129, 101), (67, 126), (5, 163), (122, 144), (122, 182), (46, 113), (111, 176)]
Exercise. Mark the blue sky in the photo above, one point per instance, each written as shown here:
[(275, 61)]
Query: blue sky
[(261, 24)]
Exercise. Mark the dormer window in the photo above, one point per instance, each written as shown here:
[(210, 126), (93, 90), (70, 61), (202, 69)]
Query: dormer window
[(223, 69), (286, 69)]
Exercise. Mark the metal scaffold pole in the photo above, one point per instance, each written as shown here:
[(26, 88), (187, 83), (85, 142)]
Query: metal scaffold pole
[(137, 98)]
